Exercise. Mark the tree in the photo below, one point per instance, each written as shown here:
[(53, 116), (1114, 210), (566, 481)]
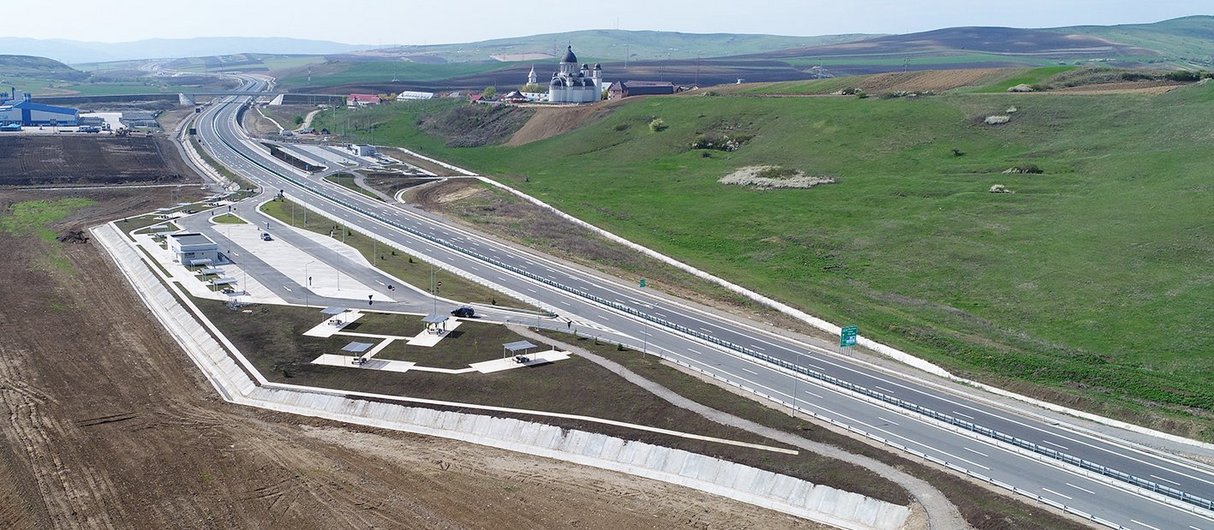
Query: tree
[(489, 92)]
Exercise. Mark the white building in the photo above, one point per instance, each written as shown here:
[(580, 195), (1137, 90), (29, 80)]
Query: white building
[(572, 84), (363, 150), (409, 94), (192, 248)]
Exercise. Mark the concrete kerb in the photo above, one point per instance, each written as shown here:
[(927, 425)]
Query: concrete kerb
[(580, 446)]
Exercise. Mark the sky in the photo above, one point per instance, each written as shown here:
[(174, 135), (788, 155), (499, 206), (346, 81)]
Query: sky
[(450, 21)]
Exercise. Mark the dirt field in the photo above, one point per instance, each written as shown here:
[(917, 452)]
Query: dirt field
[(64, 160), (935, 80), (548, 122), (108, 424)]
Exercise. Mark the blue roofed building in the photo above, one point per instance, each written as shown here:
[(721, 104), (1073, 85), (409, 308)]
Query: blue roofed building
[(29, 113)]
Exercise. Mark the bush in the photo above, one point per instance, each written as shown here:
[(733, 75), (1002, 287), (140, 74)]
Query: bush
[(621, 127), (719, 142), (1183, 76), (658, 125)]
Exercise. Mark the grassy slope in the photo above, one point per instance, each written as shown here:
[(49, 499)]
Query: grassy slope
[(342, 73), (1188, 37), (1093, 276)]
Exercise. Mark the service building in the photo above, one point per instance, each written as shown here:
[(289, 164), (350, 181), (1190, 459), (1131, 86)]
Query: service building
[(192, 248)]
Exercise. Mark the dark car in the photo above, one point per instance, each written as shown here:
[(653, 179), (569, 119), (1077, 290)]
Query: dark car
[(265, 236), (463, 312)]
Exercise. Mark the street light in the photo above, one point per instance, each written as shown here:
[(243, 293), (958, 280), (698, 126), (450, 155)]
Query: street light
[(308, 280)]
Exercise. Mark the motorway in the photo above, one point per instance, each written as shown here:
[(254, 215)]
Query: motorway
[(695, 337)]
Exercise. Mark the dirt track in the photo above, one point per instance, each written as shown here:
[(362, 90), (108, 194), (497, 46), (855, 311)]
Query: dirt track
[(107, 424)]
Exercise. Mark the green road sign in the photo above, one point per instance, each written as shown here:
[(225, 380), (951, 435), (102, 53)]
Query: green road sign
[(642, 283), (847, 336)]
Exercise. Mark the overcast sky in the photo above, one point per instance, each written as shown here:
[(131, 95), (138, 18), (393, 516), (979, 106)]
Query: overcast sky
[(445, 21)]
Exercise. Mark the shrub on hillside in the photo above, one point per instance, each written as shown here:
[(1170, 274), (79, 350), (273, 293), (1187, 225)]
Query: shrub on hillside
[(1183, 76), (657, 125), (719, 142)]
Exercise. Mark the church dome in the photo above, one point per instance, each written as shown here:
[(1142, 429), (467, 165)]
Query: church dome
[(569, 56)]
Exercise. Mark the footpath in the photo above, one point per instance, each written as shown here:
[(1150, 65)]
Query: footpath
[(237, 381)]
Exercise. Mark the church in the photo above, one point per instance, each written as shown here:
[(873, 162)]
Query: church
[(573, 84)]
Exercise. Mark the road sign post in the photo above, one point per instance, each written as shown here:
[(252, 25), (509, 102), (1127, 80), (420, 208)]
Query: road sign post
[(847, 336), (643, 283)]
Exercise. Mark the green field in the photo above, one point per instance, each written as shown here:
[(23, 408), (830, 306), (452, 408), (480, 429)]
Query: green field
[(332, 74), (1091, 282)]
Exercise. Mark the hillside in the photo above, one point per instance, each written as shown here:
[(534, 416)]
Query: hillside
[(702, 60), (25, 66), (1189, 39), (1085, 285), (604, 45)]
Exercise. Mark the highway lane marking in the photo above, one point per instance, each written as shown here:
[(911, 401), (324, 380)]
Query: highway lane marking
[(749, 371), (760, 348), (1064, 448), (706, 329), (962, 459), (645, 333), (886, 390), (887, 421), (531, 290), (1144, 524), (976, 452), (1056, 493), (813, 394), (566, 303), (288, 289), (1194, 527), (1079, 488), (1166, 480), (963, 415)]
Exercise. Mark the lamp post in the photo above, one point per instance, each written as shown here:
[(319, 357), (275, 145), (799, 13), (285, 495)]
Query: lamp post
[(308, 281)]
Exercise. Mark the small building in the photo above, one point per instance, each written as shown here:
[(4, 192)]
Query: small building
[(515, 97), (409, 94), (139, 119), (192, 248), (361, 100), (625, 89), (363, 149), (28, 113)]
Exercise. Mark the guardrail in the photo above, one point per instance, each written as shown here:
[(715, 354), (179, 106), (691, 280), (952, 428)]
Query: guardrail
[(1148, 485)]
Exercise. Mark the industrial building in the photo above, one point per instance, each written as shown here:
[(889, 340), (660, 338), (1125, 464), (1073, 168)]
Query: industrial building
[(26, 112), (192, 248)]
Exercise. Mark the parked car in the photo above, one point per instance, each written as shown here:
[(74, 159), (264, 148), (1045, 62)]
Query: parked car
[(463, 312), (265, 236)]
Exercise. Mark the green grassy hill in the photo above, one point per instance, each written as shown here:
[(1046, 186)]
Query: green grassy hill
[(1188, 39), (1089, 285), (27, 66)]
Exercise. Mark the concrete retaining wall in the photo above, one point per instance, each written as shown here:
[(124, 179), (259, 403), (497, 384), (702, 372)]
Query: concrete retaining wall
[(238, 382)]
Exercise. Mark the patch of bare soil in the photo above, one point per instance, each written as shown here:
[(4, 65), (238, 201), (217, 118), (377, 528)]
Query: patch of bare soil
[(65, 160), (1152, 88), (941, 80), (106, 423), (552, 121)]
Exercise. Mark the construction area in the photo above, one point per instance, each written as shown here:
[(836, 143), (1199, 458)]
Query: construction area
[(64, 160)]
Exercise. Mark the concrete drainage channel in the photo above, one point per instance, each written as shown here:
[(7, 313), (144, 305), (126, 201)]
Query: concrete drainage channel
[(239, 382)]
